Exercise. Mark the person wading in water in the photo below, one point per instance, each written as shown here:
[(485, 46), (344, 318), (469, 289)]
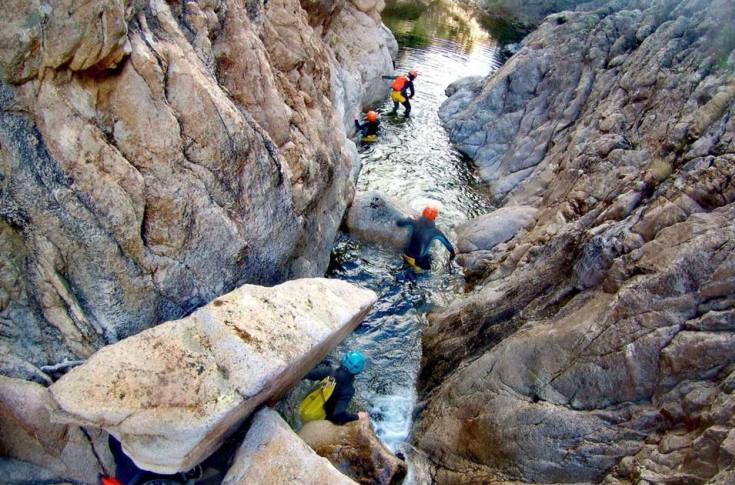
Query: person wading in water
[(369, 129), (423, 233), (402, 90), (342, 388)]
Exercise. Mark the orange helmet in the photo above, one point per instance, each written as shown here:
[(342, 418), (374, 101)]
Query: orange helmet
[(372, 116), (430, 213), (413, 73)]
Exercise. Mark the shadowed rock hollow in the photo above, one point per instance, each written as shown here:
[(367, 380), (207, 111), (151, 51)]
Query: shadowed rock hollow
[(598, 347), (154, 155)]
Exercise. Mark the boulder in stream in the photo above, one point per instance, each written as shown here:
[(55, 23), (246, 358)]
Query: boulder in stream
[(173, 393), (355, 450), (272, 454), (373, 217)]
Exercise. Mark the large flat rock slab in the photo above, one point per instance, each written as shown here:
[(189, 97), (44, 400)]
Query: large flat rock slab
[(487, 231), (171, 394), (272, 454)]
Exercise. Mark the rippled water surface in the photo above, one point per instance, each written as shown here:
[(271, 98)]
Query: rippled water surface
[(414, 161)]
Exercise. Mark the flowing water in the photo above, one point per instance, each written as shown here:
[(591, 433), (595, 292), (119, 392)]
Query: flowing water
[(413, 160)]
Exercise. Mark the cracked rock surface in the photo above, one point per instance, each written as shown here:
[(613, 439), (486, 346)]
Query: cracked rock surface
[(155, 155), (173, 393), (598, 345), (51, 450)]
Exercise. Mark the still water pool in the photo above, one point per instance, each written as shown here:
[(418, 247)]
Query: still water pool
[(413, 160)]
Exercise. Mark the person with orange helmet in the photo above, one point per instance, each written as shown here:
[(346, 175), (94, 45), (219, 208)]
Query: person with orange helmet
[(369, 129), (423, 233), (402, 90)]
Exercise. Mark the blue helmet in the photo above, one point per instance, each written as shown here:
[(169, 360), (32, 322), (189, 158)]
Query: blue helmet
[(353, 361)]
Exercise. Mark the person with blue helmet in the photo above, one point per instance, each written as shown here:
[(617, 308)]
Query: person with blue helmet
[(351, 364)]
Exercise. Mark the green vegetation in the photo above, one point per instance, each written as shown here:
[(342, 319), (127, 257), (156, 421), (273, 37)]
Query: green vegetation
[(659, 170), (723, 45), (403, 10), (525, 13), (502, 28)]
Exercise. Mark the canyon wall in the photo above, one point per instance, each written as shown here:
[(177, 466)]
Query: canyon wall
[(598, 345), (154, 155)]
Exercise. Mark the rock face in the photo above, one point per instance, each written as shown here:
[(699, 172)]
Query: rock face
[(272, 454), (355, 450), (27, 433), (155, 155), (373, 216), (598, 346), (362, 48), (173, 393)]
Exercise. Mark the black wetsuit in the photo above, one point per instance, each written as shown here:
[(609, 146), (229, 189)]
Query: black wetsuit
[(423, 233), (368, 128), (344, 390)]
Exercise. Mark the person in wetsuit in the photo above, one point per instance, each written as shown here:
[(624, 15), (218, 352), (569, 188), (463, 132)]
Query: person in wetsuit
[(369, 129), (423, 233), (351, 364), (402, 90)]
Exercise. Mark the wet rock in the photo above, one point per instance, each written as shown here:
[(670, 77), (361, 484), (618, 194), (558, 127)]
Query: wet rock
[(29, 434), (354, 449), (604, 330), (373, 216), (273, 454), (173, 393), (13, 366), (489, 230)]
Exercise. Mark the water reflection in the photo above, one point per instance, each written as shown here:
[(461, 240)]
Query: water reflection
[(417, 25)]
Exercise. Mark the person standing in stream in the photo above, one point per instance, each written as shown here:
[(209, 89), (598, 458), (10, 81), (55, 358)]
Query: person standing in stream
[(402, 91)]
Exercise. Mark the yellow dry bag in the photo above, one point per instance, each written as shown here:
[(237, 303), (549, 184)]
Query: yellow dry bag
[(312, 406), (397, 97)]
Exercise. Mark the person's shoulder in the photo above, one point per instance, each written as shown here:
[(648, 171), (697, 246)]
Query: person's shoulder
[(342, 375)]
